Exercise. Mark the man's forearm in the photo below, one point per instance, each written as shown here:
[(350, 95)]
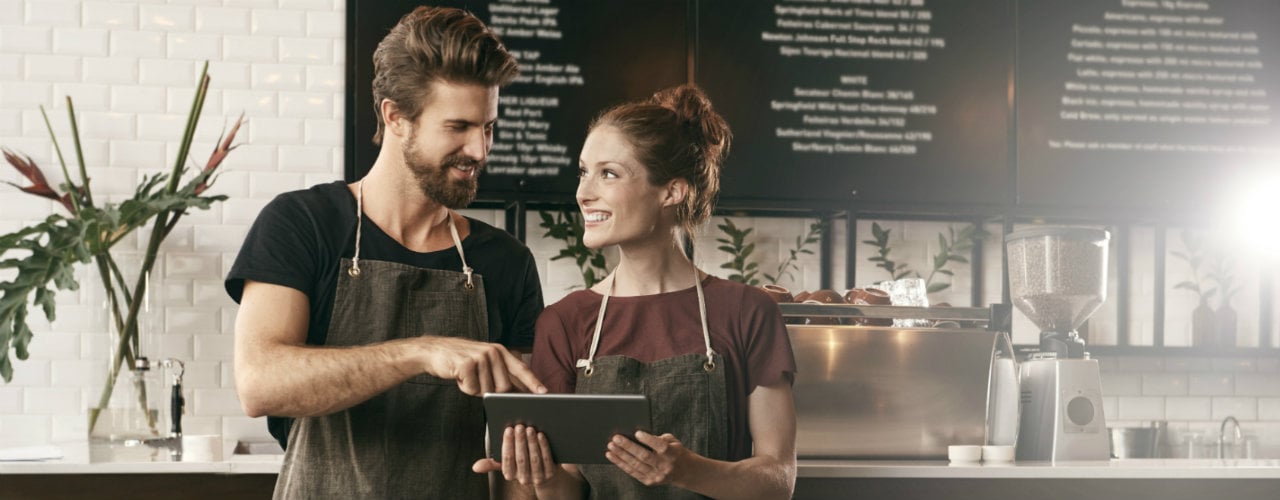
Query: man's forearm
[(301, 381), (758, 477)]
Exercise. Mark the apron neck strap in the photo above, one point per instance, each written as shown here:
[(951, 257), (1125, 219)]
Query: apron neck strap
[(354, 272), (457, 243), (588, 364)]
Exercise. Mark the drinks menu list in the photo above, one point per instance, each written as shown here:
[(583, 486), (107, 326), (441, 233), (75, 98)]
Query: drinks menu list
[(1152, 103), (1165, 104), (871, 100)]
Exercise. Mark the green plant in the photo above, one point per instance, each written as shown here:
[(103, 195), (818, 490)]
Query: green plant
[(44, 255), (802, 247), (1197, 252), (735, 244), (952, 248), (566, 226), (880, 240)]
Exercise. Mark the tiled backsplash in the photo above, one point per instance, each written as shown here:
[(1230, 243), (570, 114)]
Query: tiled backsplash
[(130, 66), (1194, 395)]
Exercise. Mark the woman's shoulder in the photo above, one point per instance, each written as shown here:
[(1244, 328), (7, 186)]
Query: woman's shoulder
[(733, 290)]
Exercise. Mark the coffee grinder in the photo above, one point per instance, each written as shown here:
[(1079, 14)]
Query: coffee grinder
[(1058, 278)]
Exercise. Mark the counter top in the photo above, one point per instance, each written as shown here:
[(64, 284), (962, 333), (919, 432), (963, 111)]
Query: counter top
[(1112, 469), (81, 458)]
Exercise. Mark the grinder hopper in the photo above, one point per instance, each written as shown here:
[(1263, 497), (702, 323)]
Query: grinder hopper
[(1058, 278)]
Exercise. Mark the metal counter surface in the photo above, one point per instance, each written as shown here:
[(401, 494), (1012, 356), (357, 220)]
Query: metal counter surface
[(77, 461), (1113, 469)]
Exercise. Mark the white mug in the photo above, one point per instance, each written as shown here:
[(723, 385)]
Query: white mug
[(201, 448)]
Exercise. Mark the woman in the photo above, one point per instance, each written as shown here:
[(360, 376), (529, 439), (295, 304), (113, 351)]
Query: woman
[(712, 355)]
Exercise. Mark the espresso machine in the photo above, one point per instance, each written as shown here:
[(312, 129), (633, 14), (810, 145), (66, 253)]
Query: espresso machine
[(1058, 278)]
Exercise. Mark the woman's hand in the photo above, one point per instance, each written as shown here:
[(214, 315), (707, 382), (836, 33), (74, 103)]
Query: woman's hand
[(662, 463), (526, 457)]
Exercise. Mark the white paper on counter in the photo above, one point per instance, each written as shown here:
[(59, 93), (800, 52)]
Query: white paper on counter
[(30, 453)]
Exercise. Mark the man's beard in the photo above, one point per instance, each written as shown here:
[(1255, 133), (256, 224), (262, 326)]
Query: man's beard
[(435, 180)]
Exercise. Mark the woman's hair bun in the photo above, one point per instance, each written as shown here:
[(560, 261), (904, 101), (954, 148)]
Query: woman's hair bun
[(693, 110)]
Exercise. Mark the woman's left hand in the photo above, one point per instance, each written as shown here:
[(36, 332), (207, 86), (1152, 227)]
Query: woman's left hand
[(662, 463)]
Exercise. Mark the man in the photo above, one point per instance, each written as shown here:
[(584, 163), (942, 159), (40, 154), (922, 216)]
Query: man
[(368, 310)]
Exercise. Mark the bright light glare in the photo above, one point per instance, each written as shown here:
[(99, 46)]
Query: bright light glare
[(1257, 218)]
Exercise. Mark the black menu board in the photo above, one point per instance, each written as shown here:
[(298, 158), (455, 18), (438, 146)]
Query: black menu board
[(1157, 104), (577, 57), (879, 101)]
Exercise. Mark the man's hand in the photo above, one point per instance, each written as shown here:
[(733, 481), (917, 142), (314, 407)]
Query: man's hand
[(661, 463), (479, 367)]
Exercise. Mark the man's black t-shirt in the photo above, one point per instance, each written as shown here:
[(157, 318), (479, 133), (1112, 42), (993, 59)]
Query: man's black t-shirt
[(300, 237)]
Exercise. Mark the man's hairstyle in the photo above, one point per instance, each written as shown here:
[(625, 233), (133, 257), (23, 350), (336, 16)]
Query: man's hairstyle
[(434, 44)]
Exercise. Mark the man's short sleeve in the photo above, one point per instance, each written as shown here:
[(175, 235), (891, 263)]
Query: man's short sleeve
[(282, 248), (522, 330)]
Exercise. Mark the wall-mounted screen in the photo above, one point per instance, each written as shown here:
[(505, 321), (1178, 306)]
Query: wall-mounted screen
[(902, 101), (1166, 105)]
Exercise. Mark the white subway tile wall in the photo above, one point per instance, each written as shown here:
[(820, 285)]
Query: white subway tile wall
[(1194, 395), (131, 68)]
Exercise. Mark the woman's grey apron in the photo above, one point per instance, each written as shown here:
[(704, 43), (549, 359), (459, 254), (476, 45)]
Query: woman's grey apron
[(418, 439), (687, 398)]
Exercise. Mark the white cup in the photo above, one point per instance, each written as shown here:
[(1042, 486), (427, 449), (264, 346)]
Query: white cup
[(964, 453), (997, 453), (201, 448)]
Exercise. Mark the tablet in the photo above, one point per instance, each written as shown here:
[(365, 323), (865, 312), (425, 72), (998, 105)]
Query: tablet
[(578, 426)]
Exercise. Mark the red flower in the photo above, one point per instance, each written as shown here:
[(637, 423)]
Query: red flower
[(219, 153), (39, 185)]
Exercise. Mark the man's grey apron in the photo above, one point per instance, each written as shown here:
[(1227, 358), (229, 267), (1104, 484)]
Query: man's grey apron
[(687, 398), (418, 439)]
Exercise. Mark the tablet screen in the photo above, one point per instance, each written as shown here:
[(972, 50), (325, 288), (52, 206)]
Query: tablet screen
[(578, 426)]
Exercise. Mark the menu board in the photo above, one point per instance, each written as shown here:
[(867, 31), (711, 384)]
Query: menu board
[(1159, 104), (886, 101), (577, 57)]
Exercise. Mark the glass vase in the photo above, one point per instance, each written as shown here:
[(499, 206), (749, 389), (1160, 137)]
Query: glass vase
[(1204, 325), (125, 399), (1227, 321), (131, 415)]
